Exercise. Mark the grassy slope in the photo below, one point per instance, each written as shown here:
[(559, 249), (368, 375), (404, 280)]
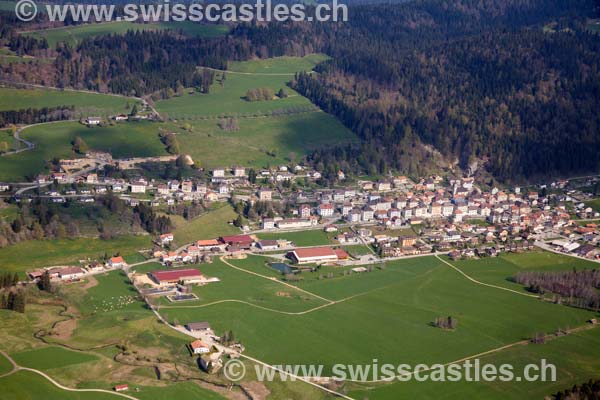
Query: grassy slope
[(304, 238), (34, 254), (574, 357), (282, 135), (16, 99), (208, 226), (75, 34), (54, 140), (278, 65), (50, 357), (396, 306)]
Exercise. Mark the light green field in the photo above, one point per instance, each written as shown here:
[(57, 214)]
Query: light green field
[(33, 254), (54, 140), (75, 34), (243, 287), (595, 204), (25, 385), (208, 226), (303, 238), (86, 103), (574, 357), (5, 365), (499, 270), (229, 99), (396, 306), (278, 65), (284, 135), (46, 358)]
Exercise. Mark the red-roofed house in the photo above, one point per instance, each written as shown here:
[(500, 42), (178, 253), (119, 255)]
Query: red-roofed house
[(313, 255), (116, 262), (199, 347), (121, 388), (241, 241)]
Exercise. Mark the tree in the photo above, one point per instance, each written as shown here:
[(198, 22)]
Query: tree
[(239, 222), (45, 283), (252, 176), (80, 146), (134, 110), (282, 94)]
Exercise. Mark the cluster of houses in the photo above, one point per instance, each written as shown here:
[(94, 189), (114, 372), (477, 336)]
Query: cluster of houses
[(74, 273)]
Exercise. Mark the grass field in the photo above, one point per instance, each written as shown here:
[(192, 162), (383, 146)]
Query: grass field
[(279, 136), (574, 356), (54, 140), (87, 103), (241, 286), (25, 385), (34, 254), (304, 238), (208, 226), (278, 65), (595, 204), (46, 358), (396, 305), (498, 270), (5, 365), (75, 34)]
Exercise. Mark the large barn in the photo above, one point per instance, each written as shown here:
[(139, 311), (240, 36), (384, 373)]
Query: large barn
[(180, 275), (316, 255)]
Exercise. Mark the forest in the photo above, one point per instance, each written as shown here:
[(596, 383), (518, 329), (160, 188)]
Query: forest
[(427, 85)]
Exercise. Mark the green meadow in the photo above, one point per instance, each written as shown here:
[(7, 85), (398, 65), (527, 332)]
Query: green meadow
[(278, 65), (207, 226), (396, 305), (575, 358), (315, 237), (33, 254), (75, 34), (86, 103), (239, 286), (261, 142), (46, 358), (53, 140)]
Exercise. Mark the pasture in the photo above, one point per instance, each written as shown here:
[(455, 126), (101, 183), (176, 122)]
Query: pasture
[(240, 287), (277, 65), (314, 237), (574, 357), (86, 103), (396, 305), (53, 140), (207, 226), (261, 142), (33, 254), (75, 34), (46, 358)]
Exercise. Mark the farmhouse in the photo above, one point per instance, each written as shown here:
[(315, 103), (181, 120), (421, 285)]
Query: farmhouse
[(121, 388), (93, 121), (264, 194), (116, 262), (209, 244), (313, 255), (166, 238), (199, 347), (66, 273), (197, 326), (181, 275), (267, 245), (242, 241)]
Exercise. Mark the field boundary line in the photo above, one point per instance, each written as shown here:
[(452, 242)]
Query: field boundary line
[(483, 283), (273, 279), (18, 368)]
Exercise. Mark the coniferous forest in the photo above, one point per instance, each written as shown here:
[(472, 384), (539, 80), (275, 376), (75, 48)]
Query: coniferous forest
[(503, 88)]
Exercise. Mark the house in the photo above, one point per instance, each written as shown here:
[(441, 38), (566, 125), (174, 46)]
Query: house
[(176, 276), (265, 194), (211, 196), (239, 172), (304, 211), (91, 178), (138, 187), (268, 223), (116, 262), (197, 326), (242, 241), (199, 347), (209, 244), (4, 187), (67, 273), (166, 238), (295, 223), (121, 388), (313, 255), (267, 245), (384, 186), (187, 186), (218, 173), (91, 121), (325, 210), (121, 117)]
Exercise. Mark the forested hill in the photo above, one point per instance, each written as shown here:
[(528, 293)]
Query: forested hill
[(512, 85)]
